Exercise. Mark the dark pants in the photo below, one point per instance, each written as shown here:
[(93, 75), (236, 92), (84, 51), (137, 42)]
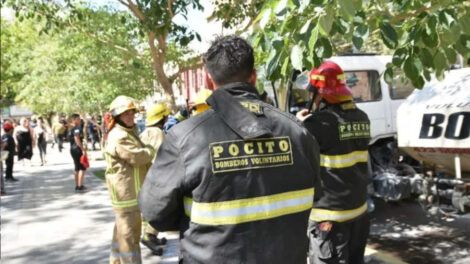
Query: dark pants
[(94, 139), (42, 146), (333, 242), (9, 167), (60, 141), (76, 155)]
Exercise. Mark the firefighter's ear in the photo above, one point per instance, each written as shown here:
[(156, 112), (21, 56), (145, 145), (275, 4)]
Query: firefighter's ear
[(253, 77), (209, 82)]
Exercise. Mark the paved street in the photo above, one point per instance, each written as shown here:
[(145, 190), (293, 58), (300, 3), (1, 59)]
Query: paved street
[(44, 221)]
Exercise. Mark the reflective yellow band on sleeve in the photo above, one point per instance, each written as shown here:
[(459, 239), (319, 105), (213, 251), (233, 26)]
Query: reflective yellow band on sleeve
[(249, 210), (343, 161), (319, 215), (317, 77)]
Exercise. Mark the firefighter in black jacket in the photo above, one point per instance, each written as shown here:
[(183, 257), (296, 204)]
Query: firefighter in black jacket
[(237, 180), (339, 225)]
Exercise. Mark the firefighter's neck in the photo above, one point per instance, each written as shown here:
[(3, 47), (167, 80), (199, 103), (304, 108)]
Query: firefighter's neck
[(212, 85)]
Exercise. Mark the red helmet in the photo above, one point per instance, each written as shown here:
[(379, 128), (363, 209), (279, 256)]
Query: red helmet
[(7, 126), (330, 82)]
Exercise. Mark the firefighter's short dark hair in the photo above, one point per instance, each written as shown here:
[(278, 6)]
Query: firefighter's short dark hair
[(75, 116), (229, 59)]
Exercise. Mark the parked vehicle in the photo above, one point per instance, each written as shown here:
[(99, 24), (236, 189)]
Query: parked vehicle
[(395, 175)]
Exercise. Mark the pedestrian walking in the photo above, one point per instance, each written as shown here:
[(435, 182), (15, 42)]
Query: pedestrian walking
[(153, 136), (9, 146), (237, 180), (59, 130), (93, 132), (24, 140), (77, 150), (41, 135), (339, 224), (128, 160)]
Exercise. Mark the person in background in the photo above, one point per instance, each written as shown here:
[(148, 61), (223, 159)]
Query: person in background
[(153, 136), (200, 104), (41, 134), (175, 119), (77, 149), (10, 146), (24, 140), (93, 132), (59, 130)]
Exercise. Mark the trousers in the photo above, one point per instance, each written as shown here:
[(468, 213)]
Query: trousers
[(334, 242), (125, 246)]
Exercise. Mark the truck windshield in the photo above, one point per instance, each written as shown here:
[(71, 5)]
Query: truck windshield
[(364, 85), (401, 87)]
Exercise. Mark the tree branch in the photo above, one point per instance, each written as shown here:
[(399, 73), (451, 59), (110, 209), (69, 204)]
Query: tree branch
[(123, 3), (105, 41), (135, 10)]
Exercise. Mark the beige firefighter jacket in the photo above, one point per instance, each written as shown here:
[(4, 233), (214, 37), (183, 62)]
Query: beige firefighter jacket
[(153, 136), (128, 161)]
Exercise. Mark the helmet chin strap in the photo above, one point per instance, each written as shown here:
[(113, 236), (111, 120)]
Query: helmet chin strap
[(119, 121), (312, 100)]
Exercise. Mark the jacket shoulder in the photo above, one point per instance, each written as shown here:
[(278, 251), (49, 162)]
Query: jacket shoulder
[(117, 134), (185, 127)]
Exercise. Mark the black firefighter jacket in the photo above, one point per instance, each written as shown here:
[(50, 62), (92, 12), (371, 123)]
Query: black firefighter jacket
[(237, 181), (343, 133)]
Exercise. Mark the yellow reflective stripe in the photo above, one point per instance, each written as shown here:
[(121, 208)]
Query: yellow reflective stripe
[(124, 204), (107, 156), (188, 203), (251, 209), (136, 180), (319, 215), (341, 76), (343, 161), (317, 77)]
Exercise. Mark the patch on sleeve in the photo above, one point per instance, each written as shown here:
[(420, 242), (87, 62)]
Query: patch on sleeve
[(76, 131), (237, 155), (253, 107), (351, 130)]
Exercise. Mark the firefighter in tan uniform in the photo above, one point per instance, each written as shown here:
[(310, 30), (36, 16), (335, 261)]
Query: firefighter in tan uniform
[(153, 136), (128, 160)]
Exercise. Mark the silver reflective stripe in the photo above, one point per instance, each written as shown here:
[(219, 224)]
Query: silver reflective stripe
[(251, 209)]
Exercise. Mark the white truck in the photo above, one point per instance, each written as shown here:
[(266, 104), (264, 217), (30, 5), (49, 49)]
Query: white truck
[(394, 175)]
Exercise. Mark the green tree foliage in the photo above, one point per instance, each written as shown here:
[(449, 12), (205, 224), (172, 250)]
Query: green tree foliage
[(424, 36), (67, 71), (150, 21)]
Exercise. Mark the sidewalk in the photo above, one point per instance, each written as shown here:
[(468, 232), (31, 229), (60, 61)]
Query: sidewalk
[(45, 221)]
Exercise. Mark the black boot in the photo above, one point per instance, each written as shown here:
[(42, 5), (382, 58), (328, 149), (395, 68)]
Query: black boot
[(155, 244)]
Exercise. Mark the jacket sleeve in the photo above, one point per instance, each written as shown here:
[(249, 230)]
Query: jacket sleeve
[(161, 196), (130, 151)]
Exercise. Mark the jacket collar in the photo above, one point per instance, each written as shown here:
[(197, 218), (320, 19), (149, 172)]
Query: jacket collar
[(226, 103)]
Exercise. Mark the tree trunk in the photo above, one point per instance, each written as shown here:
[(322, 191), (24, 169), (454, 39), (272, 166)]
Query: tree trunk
[(158, 59)]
